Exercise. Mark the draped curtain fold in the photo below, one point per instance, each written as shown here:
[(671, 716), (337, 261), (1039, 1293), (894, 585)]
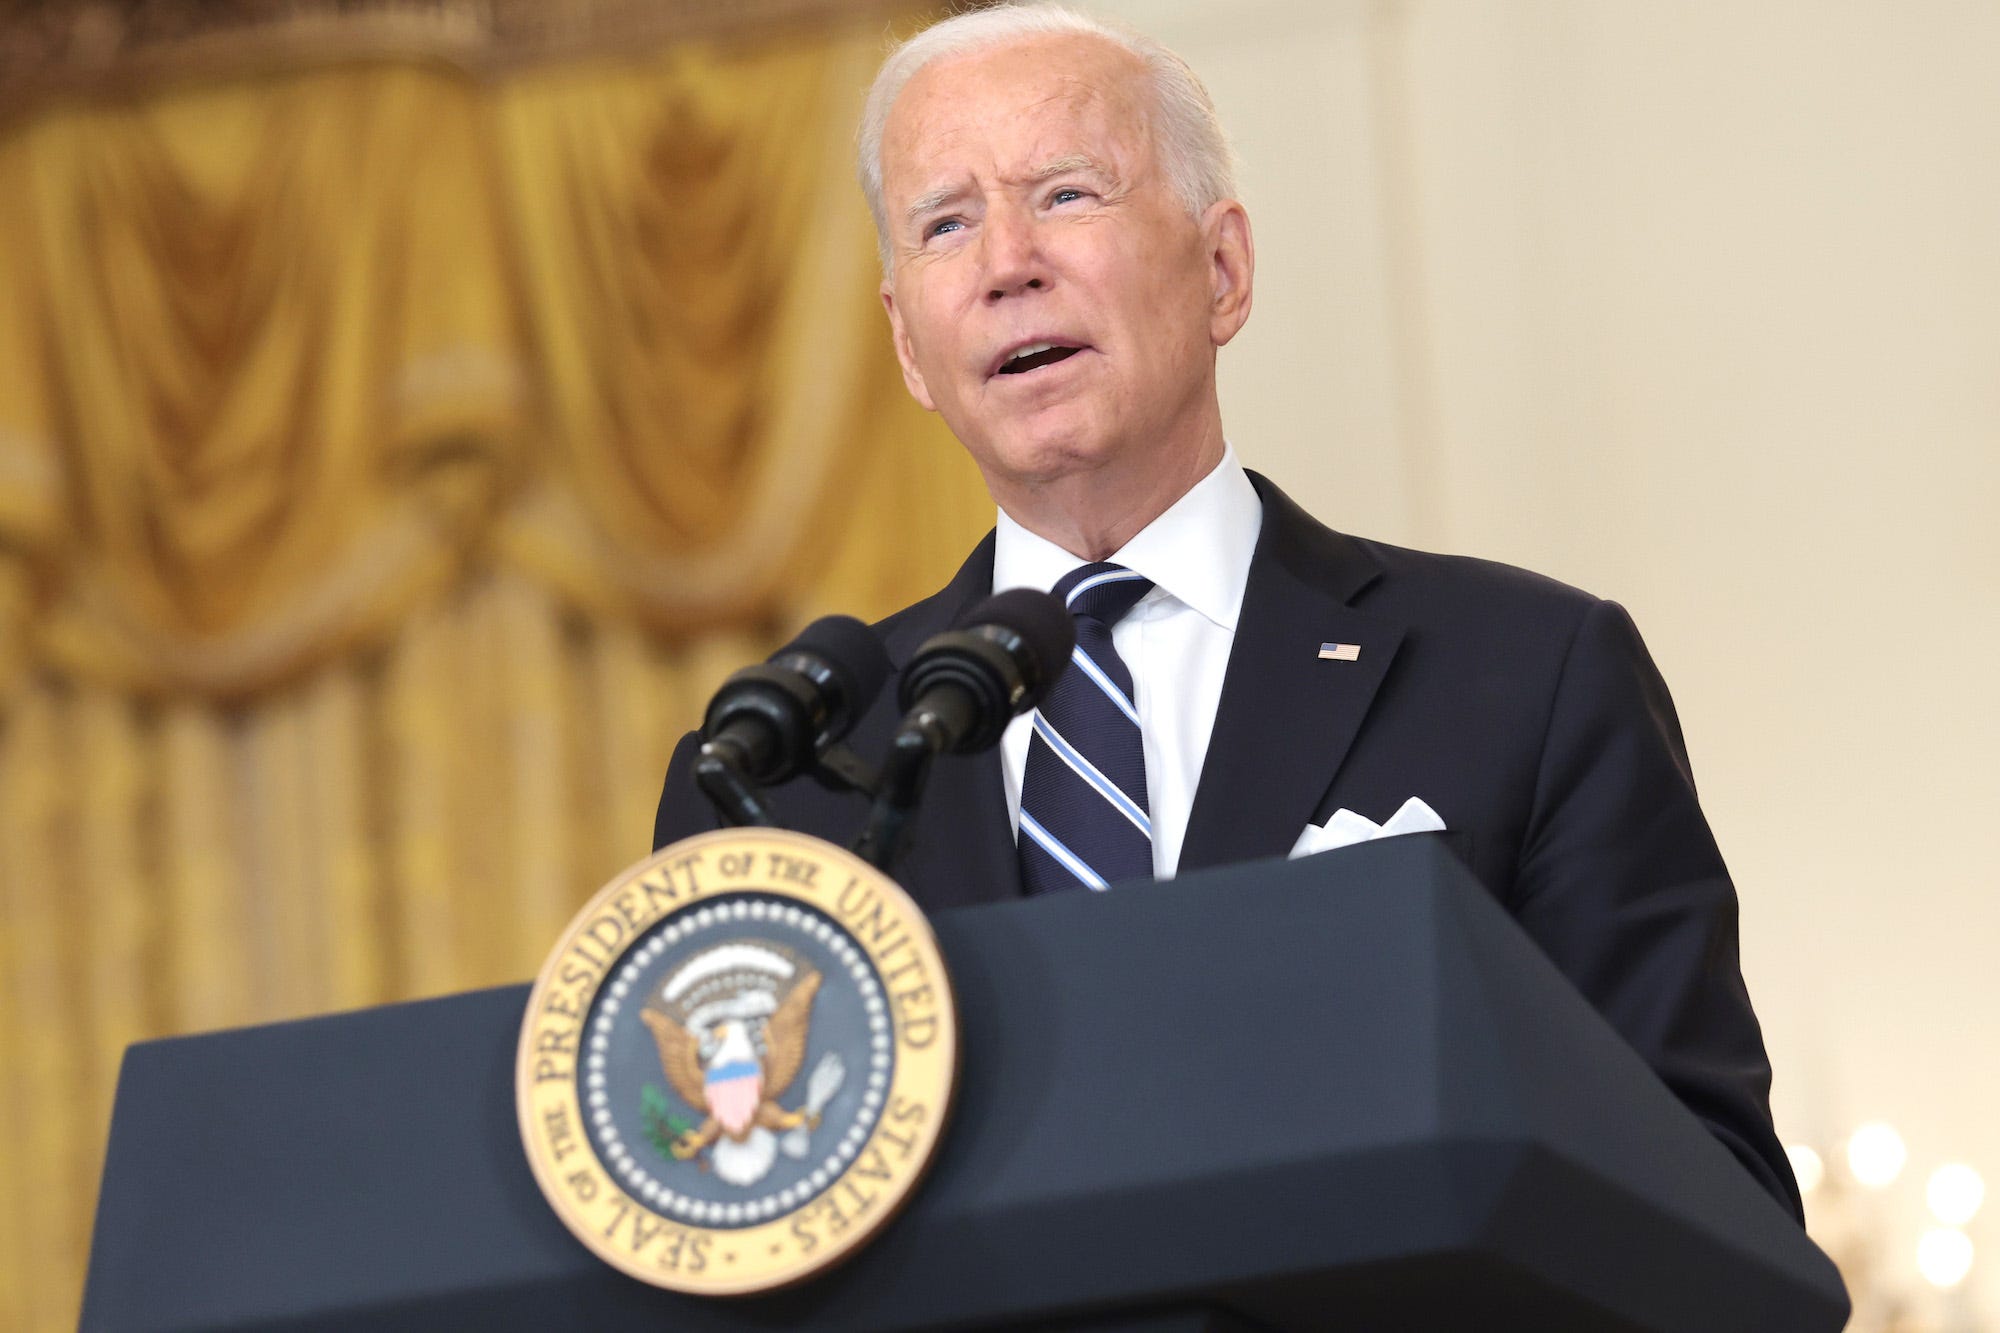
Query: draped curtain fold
[(390, 462)]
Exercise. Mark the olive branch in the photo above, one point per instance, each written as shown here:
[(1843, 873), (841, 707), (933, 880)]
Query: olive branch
[(662, 1126)]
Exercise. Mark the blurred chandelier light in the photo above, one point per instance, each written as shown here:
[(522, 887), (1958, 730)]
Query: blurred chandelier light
[(1807, 1166), (1876, 1154), (1955, 1193), (1944, 1256)]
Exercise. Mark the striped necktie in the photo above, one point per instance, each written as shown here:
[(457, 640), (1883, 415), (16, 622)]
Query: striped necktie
[(1084, 821)]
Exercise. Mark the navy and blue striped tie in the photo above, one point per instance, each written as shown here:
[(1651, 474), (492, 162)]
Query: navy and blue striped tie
[(1084, 822)]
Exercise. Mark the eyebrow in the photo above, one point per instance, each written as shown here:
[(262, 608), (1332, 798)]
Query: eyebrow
[(1061, 166), (930, 203)]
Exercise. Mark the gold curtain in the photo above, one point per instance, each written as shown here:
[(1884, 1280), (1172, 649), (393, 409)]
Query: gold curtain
[(390, 463)]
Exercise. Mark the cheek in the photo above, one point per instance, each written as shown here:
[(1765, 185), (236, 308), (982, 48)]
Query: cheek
[(1172, 322), (930, 339), (947, 328), (926, 305), (1165, 291)]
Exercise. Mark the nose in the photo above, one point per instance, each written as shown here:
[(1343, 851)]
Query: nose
[(1014, 261)]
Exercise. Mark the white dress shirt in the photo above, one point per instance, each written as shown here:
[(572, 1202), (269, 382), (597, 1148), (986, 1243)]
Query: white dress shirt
[(1176, 641)]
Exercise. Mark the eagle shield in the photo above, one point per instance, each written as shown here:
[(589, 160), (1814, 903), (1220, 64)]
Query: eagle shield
[(731, 1025)]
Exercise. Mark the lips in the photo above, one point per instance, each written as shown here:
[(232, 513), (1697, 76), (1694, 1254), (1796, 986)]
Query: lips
[(1028, 357)]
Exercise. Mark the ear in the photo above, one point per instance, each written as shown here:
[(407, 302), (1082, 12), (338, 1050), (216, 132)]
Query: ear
[(1232, 268), (913, 379)]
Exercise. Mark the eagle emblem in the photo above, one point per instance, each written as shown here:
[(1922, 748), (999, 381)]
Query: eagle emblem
[(732, 1025)]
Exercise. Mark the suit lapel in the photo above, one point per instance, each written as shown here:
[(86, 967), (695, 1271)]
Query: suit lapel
[(1287, 718), (960, 846)]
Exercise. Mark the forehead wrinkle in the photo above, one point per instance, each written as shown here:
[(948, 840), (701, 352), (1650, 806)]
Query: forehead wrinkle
[(1094, 106)]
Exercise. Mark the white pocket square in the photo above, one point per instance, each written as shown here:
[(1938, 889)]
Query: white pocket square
[(1347, 828)]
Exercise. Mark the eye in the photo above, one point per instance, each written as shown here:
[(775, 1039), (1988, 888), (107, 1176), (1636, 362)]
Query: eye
[(941, 226), (1065, 194)]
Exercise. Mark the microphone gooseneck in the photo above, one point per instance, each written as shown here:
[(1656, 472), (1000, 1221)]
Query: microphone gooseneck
[(958, 694)]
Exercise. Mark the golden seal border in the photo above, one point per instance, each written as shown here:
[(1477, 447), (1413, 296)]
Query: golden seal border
[(825, 1230)]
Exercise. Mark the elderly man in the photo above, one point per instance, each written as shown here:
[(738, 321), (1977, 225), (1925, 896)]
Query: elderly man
[(1063, 257)]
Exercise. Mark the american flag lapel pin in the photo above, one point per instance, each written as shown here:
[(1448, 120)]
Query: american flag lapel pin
[(1340, 652)]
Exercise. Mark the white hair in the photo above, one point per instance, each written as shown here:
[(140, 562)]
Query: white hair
[(1193, 150)]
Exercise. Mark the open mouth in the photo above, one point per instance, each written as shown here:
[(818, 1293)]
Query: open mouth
[(1035, 356)]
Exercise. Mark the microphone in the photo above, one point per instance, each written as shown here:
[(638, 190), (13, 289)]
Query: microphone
[(964, 686), (770, 722), (959, 692)]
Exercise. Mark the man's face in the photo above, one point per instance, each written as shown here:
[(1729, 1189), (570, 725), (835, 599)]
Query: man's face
[(1027, 210)]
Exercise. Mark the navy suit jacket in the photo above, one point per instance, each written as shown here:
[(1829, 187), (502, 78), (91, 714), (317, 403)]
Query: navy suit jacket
[(1526, 713)]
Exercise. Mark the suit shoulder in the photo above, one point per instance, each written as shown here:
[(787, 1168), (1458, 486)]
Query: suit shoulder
[(1442, 581), (903, 621), (1423, 586), (903, 630)]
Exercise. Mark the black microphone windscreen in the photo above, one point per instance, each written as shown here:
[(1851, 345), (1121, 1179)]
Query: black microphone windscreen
[(853, 652), (1040, 620)]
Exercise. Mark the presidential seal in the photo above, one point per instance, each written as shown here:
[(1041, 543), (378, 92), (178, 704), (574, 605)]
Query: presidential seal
[(737, 1063)]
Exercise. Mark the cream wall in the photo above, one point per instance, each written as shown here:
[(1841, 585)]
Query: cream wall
[(1696, 306)]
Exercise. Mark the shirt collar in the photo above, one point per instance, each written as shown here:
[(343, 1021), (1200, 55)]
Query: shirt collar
[(1198, 551)]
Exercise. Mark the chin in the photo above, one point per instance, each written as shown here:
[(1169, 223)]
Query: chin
[(1045, 456)]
